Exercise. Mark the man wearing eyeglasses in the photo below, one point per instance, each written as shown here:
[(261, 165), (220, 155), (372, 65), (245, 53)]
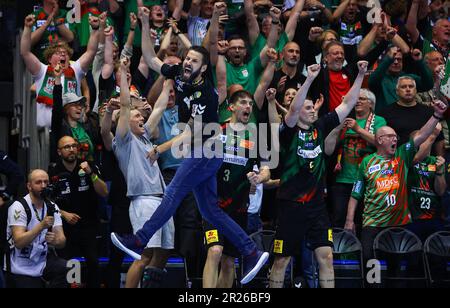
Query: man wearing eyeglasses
[(77, 187), (382, 181)]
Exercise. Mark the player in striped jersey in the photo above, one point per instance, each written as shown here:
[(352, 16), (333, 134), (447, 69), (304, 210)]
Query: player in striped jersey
[(382, 181)]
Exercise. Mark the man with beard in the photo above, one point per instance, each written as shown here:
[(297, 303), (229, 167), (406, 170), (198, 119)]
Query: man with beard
[(198, 102), (31, 228), (289, 76), (79, 186), (43, 75), (382, 181)]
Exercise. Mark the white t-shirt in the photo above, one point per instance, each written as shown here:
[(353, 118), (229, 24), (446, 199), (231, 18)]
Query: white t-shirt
[(44, 112), (197, 29), (31, 260)]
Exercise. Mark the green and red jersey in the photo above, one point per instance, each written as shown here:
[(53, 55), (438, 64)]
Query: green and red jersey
[(382, 184), (424, 203), (240, 155), (304, 166), (51, 33), (355, 148)]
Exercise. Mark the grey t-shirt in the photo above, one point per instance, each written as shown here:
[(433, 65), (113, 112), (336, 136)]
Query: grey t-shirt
[(142, 178)]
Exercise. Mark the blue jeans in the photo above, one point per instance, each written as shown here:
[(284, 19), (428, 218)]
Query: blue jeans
[(197, 175)]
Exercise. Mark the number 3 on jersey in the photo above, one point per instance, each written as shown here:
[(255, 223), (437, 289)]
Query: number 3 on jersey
[(391, 200), (226, 175)]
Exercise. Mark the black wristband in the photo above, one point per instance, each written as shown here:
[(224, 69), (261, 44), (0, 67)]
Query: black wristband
[(439, 173), (95, 29), (276, 23), (132, 29), (438, 118), (177, 32)]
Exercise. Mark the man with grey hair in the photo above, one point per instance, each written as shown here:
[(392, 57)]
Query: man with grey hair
[(406, 115), (354, 141), (384, 79)]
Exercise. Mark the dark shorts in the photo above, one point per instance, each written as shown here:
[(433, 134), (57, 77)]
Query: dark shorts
[(213, 237), (298, 222)]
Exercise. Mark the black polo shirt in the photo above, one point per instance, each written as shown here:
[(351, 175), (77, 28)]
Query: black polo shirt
[(76, 194)]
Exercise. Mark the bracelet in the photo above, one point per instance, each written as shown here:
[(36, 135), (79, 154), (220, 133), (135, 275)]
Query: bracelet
[(155, 148), (95, 29), (275, 22), (438, 118), (94, 178), (132, 29)]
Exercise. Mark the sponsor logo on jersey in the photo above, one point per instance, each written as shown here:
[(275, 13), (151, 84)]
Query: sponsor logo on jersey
[(387, 172), (212, 236), (247, 144), (388, 184), (17, 214), (234, 160), (309, 154), (374, 169), (278, 246)]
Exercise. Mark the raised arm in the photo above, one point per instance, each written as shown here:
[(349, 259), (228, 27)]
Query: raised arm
[(123, 125), (221, 75), (108, 64), (411, 22), (291, 25), (87, 58), (31, 61), (266, 78), (350, 99), (438, 115), (176, 14), (148, 51), (106, 123), (274, 117), (37, 34), (291, 118), (252, 23), (219, 8), (339, 11), (367, 42), (160, 106), (440, 184)]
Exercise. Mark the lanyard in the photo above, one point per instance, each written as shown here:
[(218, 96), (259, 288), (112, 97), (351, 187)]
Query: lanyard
[(36, 213)]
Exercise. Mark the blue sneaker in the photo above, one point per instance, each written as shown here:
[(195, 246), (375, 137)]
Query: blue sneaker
[(131, 245), (253, 264)]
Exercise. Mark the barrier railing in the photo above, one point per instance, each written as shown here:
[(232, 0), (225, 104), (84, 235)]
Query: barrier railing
[(34, 141)]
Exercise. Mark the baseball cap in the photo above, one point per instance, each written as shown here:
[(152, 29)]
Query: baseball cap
[(71, 98)]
